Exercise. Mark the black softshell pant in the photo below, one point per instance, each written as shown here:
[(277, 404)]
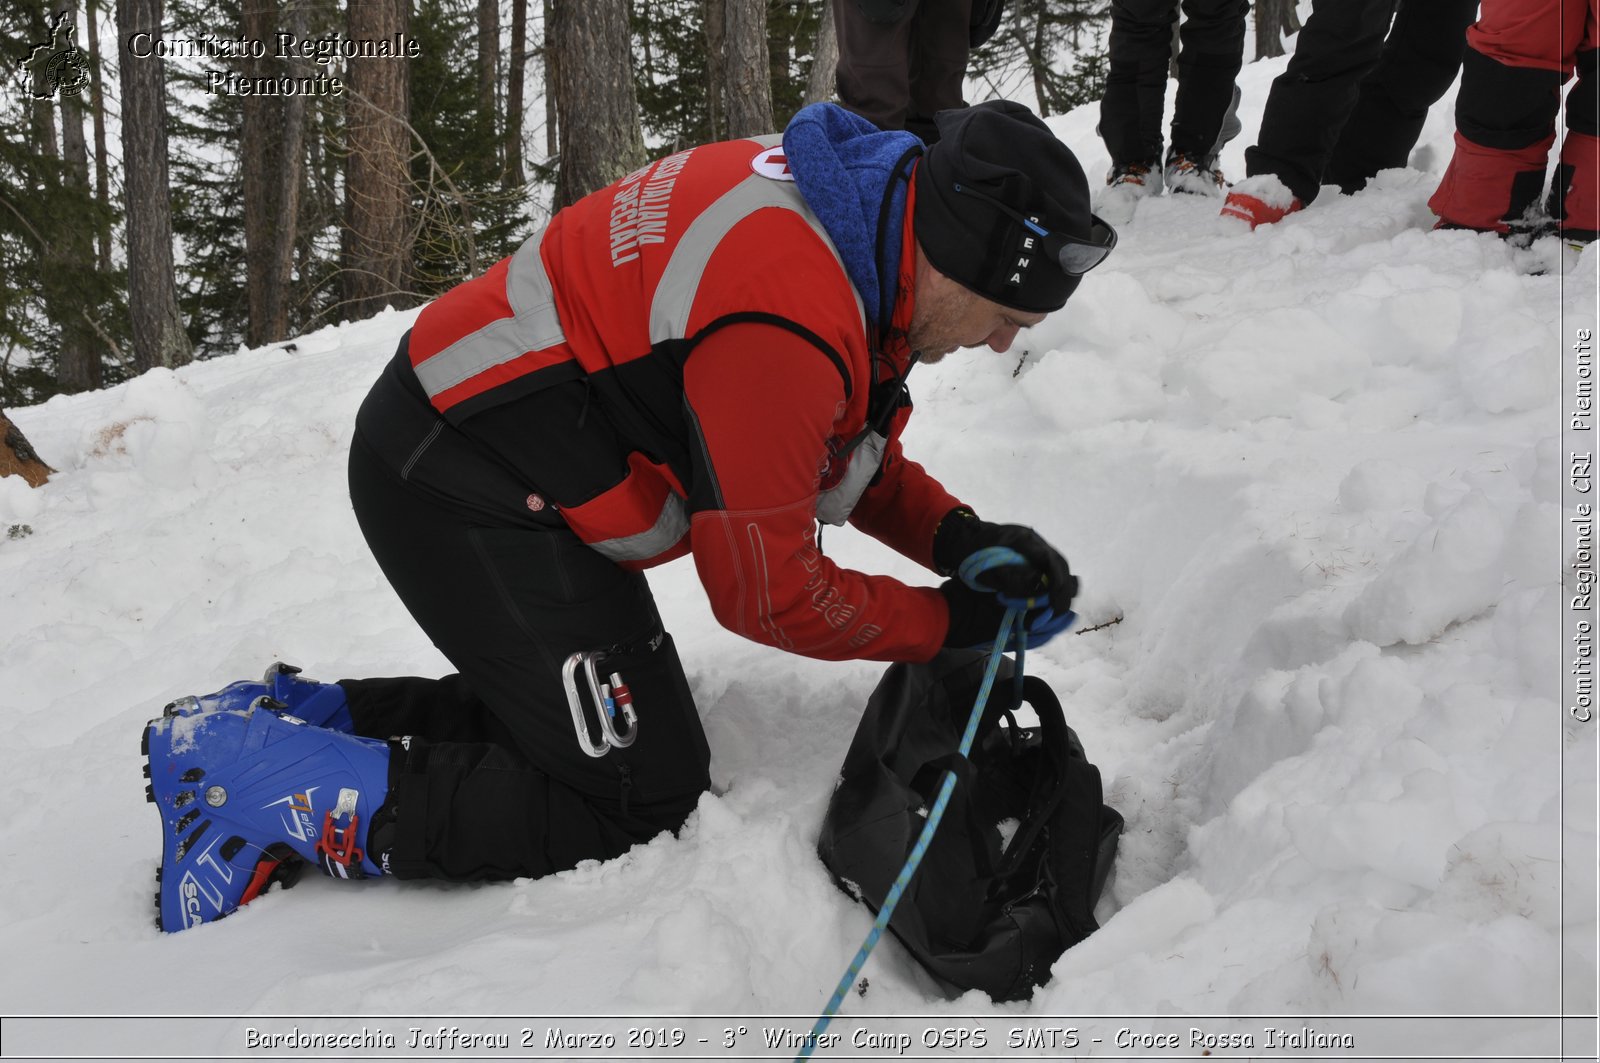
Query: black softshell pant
[(902, 61), (493, 783), (1211, 47), (1352, 103)]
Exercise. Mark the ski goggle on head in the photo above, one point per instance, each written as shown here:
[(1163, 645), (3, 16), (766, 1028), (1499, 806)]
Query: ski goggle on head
[(1075, 254)]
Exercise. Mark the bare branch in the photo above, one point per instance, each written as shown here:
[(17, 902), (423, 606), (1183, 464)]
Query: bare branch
[(433, 168), (1099, 627)]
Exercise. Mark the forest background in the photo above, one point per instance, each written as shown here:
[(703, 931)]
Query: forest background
[(147, 219)]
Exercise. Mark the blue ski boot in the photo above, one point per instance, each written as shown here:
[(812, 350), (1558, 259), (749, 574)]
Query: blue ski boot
[(245, 797), (319, 704)]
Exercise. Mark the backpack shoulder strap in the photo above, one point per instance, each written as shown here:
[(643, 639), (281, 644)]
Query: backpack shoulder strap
[(1047, 790)]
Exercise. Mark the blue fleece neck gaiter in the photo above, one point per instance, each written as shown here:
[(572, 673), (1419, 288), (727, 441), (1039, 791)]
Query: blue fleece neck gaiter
[(844, 167)]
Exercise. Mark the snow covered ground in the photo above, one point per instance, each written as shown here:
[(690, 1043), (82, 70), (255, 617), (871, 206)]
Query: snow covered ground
[(1317, 470)]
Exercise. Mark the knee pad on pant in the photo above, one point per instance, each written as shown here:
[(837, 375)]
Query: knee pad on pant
[(1488, 189), (1574, 190)]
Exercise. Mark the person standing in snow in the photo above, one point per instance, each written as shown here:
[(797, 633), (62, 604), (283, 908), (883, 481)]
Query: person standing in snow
[(706, 358), (1520, 54), (903, 61), (1351, 102), (1211, 50)]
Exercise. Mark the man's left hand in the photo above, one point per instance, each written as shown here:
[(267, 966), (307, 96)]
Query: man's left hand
[(1045, 577)]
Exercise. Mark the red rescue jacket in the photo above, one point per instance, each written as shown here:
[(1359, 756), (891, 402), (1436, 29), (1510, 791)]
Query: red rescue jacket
[(681, 364)]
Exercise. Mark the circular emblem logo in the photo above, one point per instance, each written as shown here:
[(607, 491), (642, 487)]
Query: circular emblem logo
[(536, 502), (772, 164), (67, 73)]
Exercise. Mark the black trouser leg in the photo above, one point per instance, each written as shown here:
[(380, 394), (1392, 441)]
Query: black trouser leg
[(1420, 61), (1312, 99), (1583, 102), (938, 60), (873, 77), (440, 710), (1211, 51), (1136, 79), (495, 784)]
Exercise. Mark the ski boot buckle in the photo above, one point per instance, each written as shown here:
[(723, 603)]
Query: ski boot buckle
[(338, 848)]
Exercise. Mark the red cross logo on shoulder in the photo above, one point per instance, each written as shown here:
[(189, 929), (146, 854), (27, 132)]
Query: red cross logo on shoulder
[(772, 164)]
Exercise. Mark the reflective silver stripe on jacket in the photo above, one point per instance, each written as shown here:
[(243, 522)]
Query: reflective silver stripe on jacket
[(674, 296), (533, 326), (836, 503), (670, 526), (680, 281)]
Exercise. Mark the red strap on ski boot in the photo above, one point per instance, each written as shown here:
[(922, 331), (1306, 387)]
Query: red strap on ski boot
[(277, 864), (341, 858)]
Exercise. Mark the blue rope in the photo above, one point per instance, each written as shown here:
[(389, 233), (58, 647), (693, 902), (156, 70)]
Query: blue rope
[(984, 560)]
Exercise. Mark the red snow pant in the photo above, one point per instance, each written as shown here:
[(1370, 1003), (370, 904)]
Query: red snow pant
[(1519, 55)]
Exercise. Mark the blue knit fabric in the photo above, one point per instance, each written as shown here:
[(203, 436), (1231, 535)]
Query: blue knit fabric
[(843, 165)]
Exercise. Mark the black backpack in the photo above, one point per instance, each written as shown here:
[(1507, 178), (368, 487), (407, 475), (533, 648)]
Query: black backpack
[(1010, 880)]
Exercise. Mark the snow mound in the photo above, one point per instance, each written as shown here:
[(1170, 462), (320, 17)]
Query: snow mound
[(1315, 471)]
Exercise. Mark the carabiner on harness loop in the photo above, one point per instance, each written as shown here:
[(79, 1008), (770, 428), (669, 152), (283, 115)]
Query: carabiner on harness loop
[(608, 699)]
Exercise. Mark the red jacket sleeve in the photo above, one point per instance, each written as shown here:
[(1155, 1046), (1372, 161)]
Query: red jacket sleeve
[(765, 402), (903, 509)]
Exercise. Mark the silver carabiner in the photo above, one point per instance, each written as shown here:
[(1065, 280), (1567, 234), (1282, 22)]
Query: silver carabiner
[(608, 698)]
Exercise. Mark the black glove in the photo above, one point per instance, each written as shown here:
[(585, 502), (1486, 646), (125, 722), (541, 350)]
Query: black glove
[(1045, 575), (975, 620)]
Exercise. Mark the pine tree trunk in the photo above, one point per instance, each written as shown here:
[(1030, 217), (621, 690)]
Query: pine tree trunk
[(716, 24), (102, 169), (72, 247), (377, 237), (1274, 19), (748, 70), (291, 180), (516, 78), (17, 457), (66, 249), (41, 113), (489, 63), (552, 72), (158, 335), (259, 151), (597, 110), (820, 84), (272, 167)]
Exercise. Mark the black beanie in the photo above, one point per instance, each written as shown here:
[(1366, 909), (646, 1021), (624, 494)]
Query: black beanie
[(1002, 150)]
